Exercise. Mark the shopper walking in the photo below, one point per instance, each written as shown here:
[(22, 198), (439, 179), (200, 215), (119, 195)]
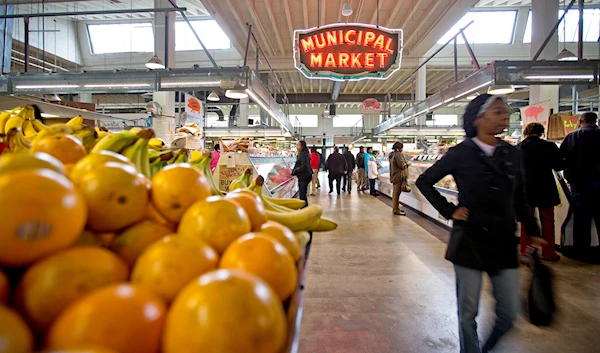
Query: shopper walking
[(361, 174), (540, 157), (582, 170), (491, 196), (302, 170), (315, 160), (351, 164), (321, 167), (398, 176), (373, 174), (367, 157), (336, 166), (216, 154)]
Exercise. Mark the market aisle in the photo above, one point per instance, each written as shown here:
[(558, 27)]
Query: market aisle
[(379, 283)]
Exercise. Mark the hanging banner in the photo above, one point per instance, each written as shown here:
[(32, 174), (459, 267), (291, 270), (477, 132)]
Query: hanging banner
[(314, 141), (370, 106), (342, 140), (194, 109), (348, 52), (537, 113)]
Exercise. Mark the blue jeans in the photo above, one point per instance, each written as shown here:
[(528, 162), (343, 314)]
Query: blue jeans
[(468, 290), (372, 186), (302, 190)]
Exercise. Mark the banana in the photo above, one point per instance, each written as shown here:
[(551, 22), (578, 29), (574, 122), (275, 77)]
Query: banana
[(156, 144), (28, 129), (55, 129), (324, 225), (5, 116), (87, 136), (242, 182), (203, 163), (17, 120), (294, 204), (138, 152), (17, 141), (303, 238), (116, 142), (38, 125), (76, 123), (304, 219), (153, 154)]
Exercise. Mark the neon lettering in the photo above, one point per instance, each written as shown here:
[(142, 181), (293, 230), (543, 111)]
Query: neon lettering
[(360, 36), (379, 42), (388, 46), (347, 37), (322, 43), (343, 60), (316, 59), (369, 60), (330, 61), (307, 44), (356, 59), (331, 39), (382, 57), (369, 38)]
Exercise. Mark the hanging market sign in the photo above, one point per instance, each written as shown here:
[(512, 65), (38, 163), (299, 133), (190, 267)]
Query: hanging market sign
[(348, 52), (370, 106)]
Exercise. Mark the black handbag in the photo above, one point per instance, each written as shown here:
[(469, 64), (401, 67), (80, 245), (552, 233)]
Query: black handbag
[(541, 297)]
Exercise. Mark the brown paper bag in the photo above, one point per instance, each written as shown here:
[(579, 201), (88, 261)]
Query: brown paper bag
[(556, 128)]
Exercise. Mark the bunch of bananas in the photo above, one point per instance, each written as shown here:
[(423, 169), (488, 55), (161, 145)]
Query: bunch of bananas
[(159, 160), (243, 181), (203, 163)]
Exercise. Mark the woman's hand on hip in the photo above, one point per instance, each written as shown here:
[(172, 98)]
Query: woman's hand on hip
[(461, 214)]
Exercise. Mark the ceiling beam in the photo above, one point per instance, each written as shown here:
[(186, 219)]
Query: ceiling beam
[(320, 85), (288, 16), (415, 33), (358, 11), (393, 14), (335, 92), (273, 23), (412, 12), (339, 19), (323, 12), (325, 98), (374, 17), (257, 24), (305, 13), (226, 26), (293, 81)]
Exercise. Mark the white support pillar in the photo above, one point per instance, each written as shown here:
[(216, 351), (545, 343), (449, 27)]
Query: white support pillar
[(544, 16), (164, 48), (421, 89), (85, 98), (243, 113)]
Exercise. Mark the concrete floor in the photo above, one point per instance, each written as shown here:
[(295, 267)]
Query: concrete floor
[(379, 283)]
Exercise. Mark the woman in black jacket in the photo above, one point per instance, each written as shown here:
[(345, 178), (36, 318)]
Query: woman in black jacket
[(491, 197), (540, 157), (302, 170)]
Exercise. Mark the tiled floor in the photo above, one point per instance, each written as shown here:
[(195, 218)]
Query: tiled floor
[(379, 283)]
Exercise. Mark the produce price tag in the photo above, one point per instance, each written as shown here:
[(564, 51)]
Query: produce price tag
[(227, 175)]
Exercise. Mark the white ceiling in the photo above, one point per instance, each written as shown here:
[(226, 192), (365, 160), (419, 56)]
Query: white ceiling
[(527, 3)]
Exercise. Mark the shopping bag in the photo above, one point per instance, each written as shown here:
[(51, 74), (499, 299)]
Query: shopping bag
[(541, 297), (556, 129)]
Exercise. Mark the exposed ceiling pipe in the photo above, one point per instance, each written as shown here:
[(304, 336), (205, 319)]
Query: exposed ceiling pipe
[(40, 61), (96, 12), (335, 93)]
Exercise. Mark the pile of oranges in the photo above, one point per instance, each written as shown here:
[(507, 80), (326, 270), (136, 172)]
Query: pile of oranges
[(97, 258)]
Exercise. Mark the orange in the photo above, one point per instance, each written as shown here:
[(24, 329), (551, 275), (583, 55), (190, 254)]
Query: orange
[(284, 236), (65, 148), (265, 257), (53, 283), (225, 311), (135, 239), (93, 160), (176, 187), (115, 195), (167, 265), (122, 317), (9, 162), (15, 336), (216, 221), (4, 288), (83, 349), (42, 213), (88, 238), (252, 205), (152, 214)]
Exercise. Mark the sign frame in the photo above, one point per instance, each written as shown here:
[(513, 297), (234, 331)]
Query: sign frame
[(337, 76)]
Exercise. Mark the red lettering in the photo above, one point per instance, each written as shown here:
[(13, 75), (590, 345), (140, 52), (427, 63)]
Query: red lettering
[(331, 39), (379, 42), (316, 59), (388, 46), (341, 37), (369, 38), (382, 57), (360, 35), (356, 60), (322, 43), (347, 37), (307, 44), (343, 60), (330, 61), (369, 57)]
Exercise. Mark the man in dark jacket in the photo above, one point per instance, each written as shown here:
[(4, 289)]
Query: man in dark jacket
[(337, 167), (582, 170), (302, 170), (361, 174), (351, 164), (540, 158)]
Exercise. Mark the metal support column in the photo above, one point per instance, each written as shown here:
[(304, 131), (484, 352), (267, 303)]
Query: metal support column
[(580, 39), (455, 60), (26, 20)]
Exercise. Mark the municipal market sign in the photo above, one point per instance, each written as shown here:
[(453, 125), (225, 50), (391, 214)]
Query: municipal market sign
[(348, 52)]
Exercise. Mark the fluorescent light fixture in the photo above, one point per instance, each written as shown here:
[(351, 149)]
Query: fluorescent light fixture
[(46, 115), (501, 89), (347, 9), (561, 77), (213, 97), (470, 97), (45, 86), (155, 63), (280, 138), (566, 55), (190, 83), (236, 94), (265, 108), (117, 85)]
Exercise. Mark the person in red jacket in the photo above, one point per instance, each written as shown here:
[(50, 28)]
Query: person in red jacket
[(315, 161)]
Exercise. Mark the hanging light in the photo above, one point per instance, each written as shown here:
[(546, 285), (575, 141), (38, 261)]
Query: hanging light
[(472, 96), (155, 63), (501, 89), (566, 55), (347, 9), (236, 94), (213, 97)]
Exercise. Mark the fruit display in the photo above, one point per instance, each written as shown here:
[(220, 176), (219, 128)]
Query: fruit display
[(118, 246), (241, 144)]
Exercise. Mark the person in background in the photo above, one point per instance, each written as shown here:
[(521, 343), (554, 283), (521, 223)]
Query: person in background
[(398, 176), (491, 196), (361, 176), (351, 164), (581, 151), (336, 166), (373, 174), (321, 167), (302, 170), (368, 156), (216, 153), (315, 160), (540, 157)]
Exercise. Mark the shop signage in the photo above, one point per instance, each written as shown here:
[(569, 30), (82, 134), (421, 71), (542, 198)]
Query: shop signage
[(538, 113), (227, 175), (371, 106), (314, 141), (342, 140), (194, 109), (348, 51)]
